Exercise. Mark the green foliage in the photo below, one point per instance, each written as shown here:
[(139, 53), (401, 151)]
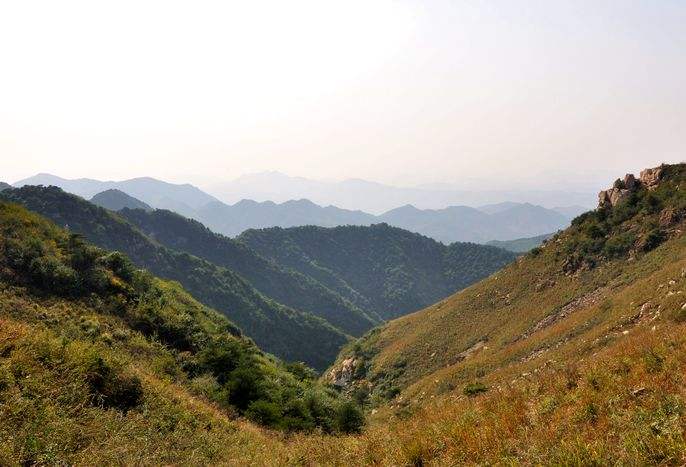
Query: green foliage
[(285, 285), (384, 270), (110, 385), (184, 340), (473, 389), (349, 418), (301, 337)]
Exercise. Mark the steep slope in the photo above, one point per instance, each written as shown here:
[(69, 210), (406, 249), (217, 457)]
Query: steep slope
[(285, 286), (520, 245), (380, 268), (102, 364), (581, 290), (290, 334), (116, 200)]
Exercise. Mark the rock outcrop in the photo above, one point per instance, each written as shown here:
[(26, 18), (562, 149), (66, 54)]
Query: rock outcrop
[(651, 177), (342, 375), (622, 189)]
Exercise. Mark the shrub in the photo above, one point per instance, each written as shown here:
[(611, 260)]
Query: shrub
[(349, 418), (264, 412), (110, 386), (49, 273), (473, 389)]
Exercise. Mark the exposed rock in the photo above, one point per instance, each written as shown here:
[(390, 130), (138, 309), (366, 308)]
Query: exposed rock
[(668, 217), (612, 197), (622, 189), (342, 375), (651, 177)]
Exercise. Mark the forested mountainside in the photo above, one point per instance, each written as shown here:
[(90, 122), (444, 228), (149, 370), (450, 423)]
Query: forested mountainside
[(101, 363), (116, 200), (290, 334), (287, 286), (381, 268)]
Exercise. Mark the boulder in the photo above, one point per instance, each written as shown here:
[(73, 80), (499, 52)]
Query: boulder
[(651, 177)]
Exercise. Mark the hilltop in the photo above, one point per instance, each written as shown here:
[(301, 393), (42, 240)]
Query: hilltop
[(116, 200)]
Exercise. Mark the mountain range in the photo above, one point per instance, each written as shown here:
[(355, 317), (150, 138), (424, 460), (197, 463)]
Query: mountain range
[(376, 198), (296, 313), (503, 221), (571, 355)]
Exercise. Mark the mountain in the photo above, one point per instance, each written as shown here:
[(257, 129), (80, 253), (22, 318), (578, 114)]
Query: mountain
[(104, 364), (376, 198), (571, 355), (573, 348), (281, 284), (455, 223), (4, 186), (116, 200), (381, 268), (504, 221), (154, 192), (520, 245), (290, 334), (234, 219)]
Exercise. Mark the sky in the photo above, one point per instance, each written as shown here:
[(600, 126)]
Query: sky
[(535, 93)]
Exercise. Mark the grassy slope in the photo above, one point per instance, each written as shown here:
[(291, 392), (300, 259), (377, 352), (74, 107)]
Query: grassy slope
[(381, 268), (283, 285), (289, 334), (117, 367), (616, 401)]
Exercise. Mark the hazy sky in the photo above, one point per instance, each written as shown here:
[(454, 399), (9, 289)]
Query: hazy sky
[(406, 91)]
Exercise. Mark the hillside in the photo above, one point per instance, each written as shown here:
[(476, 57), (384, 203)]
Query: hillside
[(577, 292), (573, 355), (520, 245), (290, 334), (381, 268), (101, 363), (283, 285), (4, 186), (116, 200)]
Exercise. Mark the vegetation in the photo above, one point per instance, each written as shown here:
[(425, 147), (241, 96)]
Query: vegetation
[(538, 364), (115, 200), (380, 268), (281, 284), (84, 333), (290, 334)]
